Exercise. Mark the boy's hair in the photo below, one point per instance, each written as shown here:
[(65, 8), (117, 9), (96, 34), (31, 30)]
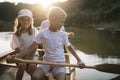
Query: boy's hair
[(56, 12)]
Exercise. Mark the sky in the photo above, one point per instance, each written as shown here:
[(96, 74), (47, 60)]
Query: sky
[(45, 3)]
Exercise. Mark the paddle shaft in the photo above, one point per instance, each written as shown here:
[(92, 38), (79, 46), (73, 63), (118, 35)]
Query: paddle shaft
[(17, 60), (111, 68)]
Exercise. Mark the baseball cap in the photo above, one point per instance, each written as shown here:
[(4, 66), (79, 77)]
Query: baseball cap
[(25, 12)]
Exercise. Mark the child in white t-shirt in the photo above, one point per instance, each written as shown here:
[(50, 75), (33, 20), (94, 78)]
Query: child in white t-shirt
[(45, 24), (53, 41), (22, 38)]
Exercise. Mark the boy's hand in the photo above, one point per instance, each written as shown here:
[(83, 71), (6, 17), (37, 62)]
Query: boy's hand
[(81, 65)]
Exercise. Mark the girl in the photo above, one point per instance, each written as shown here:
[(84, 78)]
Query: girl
[(22, 38)]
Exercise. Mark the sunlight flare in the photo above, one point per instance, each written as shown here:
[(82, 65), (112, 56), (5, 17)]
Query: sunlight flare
[(44, 3), (48, 3)]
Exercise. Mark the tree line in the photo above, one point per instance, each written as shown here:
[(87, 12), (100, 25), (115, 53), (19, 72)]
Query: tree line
[(80, 12)]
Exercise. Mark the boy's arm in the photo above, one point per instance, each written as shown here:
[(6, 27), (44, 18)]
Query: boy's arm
[(29, 51), (80, 63)]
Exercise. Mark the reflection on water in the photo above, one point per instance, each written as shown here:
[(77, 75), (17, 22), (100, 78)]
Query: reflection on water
[(92, 74), (4, 41), (88, 74), (101, 47), (89, 59), (99, 42)]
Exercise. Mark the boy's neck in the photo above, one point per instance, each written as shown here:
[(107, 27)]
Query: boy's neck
[(52, 29)]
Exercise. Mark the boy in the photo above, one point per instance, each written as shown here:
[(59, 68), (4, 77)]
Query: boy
[(53, 41), (45, 24)]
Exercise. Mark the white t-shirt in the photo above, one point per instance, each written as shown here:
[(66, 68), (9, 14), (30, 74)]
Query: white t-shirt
[(53, 43), (45, 24), (24, 41)]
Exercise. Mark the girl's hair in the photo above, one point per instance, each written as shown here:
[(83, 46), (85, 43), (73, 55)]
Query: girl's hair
[(18, 29)]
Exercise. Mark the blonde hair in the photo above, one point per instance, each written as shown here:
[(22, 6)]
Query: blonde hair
[(18, 29), (56, 12)]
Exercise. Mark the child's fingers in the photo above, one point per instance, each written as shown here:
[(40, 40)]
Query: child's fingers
[(81, 65)]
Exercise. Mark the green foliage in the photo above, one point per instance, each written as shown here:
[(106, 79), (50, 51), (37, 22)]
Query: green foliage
[(7, 11), (86, 12), (80, 12)]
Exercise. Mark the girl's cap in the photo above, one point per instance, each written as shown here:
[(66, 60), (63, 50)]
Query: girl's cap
[(25, 12)]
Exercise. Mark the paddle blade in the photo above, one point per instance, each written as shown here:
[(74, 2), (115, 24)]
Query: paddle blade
[(110, 68)]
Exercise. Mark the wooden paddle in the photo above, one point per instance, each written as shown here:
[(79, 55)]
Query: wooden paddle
[(111, 68)]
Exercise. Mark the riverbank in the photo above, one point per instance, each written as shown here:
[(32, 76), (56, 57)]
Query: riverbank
[(113, 27)]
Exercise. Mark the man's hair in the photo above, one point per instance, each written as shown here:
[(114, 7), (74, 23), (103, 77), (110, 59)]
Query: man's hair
[(56, 12)]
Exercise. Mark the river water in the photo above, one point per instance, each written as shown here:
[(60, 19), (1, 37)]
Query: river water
[(90, 59)]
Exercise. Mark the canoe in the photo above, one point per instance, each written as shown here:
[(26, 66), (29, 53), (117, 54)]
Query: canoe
[(9, 71), (3, 57)]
